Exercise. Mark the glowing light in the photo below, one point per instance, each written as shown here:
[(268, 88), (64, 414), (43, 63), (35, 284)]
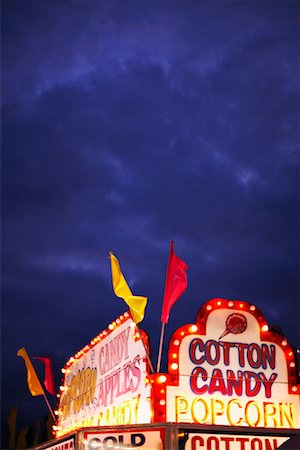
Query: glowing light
[(61, 388), (176, 342), (56, 412), (126, 314), (162, 379), (219, 303), (241, 305), (181, 333), (284, 343), (292, 364), (174, 355), (193, 328), (252, 308), (230, 304), (264, 328), (174, 366), (209, 307), (110, 326), (162, 402), (63, 370), (294, 389)]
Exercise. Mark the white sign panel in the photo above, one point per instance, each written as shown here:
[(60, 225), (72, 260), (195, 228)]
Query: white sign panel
[(232, 371), (65, 445), (105, 385), (138, 439), (198, 441)]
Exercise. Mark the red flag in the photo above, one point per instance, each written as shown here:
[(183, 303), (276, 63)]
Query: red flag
[(49, 378), (176, 283)]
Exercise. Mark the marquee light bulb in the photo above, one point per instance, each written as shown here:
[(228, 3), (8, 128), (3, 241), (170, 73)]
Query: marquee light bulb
[(264, 328), (230, 304), (219, 303), (209, 307), (252, 308), (174, 366), (162, 379), (193, 328), (176, 342)]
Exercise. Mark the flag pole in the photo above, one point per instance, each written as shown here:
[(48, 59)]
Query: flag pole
[(162, 332), (49, 406), (147, 354)]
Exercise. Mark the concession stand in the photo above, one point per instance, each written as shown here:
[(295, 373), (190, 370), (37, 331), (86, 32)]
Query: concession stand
[(231, 384)]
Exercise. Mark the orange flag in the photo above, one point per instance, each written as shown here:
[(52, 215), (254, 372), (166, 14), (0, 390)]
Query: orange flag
[(33, 382)]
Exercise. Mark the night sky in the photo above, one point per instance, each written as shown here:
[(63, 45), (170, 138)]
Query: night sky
[(126, 124)]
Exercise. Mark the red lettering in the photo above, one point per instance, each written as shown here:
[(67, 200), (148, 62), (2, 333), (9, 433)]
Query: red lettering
[(268, 383), (196, 345), (226, 347), (241, 352), (196, 440), (227, 441), (215, 440), (217, 382), (258, 446), (213, 360), (195, 375), (254, 390), (233, 383), (268, 354), (242, 441), (254, 356)]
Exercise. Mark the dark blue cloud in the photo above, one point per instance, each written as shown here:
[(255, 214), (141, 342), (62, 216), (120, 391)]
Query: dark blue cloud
[(126, 125)]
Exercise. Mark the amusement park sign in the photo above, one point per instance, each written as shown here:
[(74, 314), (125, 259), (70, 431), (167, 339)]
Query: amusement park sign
[(229, 369)]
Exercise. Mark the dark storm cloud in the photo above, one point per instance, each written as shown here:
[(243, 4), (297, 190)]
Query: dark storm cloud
[(126, 125)]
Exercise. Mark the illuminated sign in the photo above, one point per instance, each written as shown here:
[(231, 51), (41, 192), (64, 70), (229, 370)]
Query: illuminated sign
[(104, 383), (140, 439), (229, 369), (203, 441), (64, 445)]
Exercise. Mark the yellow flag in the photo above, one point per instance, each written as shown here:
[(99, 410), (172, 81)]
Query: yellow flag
[(137, 304), (33, 382)]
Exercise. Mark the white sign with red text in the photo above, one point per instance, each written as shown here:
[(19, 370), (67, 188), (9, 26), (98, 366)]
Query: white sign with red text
[(64, 445), (138, 439), (201, 441), (231, 371), (106, 385)]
